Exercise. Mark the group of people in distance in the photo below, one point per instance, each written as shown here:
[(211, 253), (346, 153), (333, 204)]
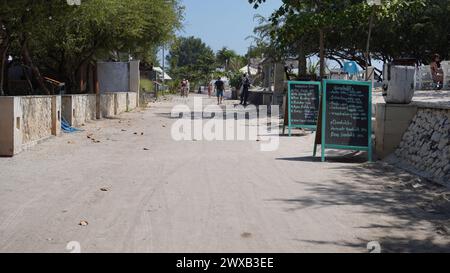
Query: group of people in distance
[(219, 89), (184, 88)]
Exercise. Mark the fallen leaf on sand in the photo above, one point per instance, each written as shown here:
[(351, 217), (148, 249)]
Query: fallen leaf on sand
[(442, 230), (104, 189), (123, 130), (83, 223), (246, 235), (146, 149), (164, 126)]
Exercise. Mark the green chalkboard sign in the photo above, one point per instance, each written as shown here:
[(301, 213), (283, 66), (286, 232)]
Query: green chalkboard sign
[(303, 104), (346, 116)]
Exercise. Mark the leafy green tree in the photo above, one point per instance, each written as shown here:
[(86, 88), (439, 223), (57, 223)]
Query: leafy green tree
[(191, 58), (67, 38), (402, 28), (224, 56)]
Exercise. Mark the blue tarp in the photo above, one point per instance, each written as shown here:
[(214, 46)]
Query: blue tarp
[(351, 68), (65, 126)]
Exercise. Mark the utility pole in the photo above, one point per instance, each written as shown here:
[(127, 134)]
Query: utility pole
[(374, 4), (163, 64)]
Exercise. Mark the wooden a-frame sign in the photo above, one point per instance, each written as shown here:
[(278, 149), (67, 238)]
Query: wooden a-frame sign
[(345, 117)]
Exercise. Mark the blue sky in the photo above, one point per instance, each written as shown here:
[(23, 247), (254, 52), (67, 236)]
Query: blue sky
[(223, 22)]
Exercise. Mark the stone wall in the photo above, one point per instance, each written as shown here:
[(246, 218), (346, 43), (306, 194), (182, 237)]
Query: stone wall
[(391, 123), (85, 108), (425, 147), (120, 102), (24, 121), (132, 101), (107, 105), (78, 109), (36, 117)]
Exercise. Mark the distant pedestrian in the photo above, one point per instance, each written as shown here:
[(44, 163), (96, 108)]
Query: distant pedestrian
[(210, 88), (183, 88), (220, 87), (188, 87), (245, 89), (437, 72)]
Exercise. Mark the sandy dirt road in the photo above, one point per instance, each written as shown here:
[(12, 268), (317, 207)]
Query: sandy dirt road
[(201, 196)]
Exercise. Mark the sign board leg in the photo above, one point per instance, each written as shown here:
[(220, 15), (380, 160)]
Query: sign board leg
[(315, 148)]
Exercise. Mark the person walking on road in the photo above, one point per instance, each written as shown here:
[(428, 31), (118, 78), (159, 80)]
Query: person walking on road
[(188, 88), (219, 86), (437, 72), (210, 88), (245, 89), (183, 87)]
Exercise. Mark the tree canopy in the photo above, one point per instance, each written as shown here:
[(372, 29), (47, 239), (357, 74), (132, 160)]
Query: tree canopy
[(402, 28), (58, 38), (191, 58)]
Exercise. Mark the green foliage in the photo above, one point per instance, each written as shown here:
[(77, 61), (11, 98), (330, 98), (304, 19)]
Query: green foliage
[(402, 28), (63, 38), (235, 79), (147, 85), (224, 56), (192, 59)]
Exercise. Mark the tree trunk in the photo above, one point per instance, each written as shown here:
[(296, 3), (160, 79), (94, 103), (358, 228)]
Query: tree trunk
[(3, 49), (322, 54), (35, 71), (302, 65)]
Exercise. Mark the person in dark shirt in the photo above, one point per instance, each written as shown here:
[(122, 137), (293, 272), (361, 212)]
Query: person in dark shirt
[(245, 89), (219, 86), (437, 72)]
